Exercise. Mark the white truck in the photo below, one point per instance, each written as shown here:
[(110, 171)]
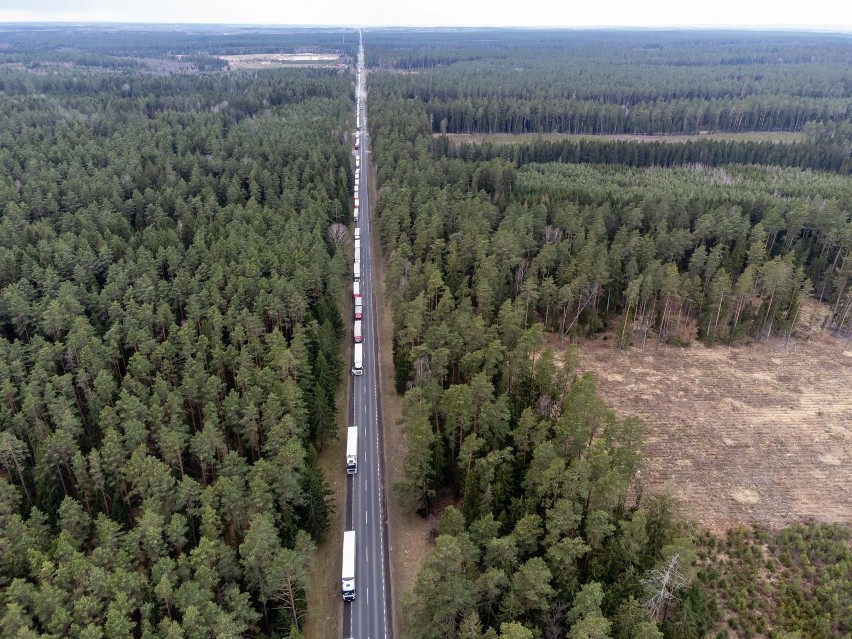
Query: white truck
[(357, 233), (357, 269), (356, 213), (358, 368), (352, 450), (348, 573), (359, 310), (357, 332), (358, 249), (356, 291)]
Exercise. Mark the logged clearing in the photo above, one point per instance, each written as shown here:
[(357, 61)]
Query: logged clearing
[(515, 138), (759, 433), (267, 60)]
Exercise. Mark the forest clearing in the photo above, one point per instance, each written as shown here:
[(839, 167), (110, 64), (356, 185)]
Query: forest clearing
[(273, 60), (514, 138), (756, 434)]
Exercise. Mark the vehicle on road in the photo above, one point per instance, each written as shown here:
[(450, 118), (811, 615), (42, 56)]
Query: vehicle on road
[(358, 368), (352, 450), (358, 309), (357, 269), (357, 332), (356, 290), (348, 574)]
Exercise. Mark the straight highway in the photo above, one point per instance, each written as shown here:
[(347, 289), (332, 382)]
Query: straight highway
[(367, 617)]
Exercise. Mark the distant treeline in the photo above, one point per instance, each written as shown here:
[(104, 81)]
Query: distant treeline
[(116, 47), (619, 83), (809, 154)]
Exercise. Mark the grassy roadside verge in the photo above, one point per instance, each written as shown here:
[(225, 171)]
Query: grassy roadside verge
[(325, 607), (408, 534)]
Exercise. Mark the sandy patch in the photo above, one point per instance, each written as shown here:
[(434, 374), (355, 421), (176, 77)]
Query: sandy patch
[(751, 434)]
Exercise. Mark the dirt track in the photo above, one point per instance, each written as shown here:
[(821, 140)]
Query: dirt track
[(753, 434)]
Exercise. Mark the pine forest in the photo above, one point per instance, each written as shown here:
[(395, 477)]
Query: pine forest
[(175, 291)]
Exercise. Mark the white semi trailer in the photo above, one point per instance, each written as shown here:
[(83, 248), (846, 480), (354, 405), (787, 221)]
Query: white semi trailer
[(352, 450), (348, 576), (358, 367)]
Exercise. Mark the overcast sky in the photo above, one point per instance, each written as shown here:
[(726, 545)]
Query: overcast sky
[(810, 14)]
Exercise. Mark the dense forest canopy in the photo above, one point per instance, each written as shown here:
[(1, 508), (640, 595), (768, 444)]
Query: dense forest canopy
[(495, 251), (619, 82), (120, 47), (169, 340)]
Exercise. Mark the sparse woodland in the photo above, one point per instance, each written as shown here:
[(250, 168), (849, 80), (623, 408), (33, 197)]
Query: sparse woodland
[(491, 247), (169, 341)]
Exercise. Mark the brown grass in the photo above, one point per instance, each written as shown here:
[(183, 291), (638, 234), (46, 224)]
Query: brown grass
[(324, 604), (274, 60), (760, 433), (409, 538), (516, 138)]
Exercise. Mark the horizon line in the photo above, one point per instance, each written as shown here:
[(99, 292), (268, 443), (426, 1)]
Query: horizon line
[(797, 28)]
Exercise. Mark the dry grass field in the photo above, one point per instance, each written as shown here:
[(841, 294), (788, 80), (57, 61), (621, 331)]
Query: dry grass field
[(759, 433), (515, 138), (271, 60)]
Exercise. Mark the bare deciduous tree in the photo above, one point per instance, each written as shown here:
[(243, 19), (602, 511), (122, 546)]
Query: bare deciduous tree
[(338, 235), (660, 586)]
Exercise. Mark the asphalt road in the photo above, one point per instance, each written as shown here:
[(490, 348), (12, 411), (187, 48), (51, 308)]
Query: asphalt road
[(367, 616)]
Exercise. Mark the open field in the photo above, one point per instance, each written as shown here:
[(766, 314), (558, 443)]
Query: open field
[(512, 138), (761, 433), (270, 60)]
